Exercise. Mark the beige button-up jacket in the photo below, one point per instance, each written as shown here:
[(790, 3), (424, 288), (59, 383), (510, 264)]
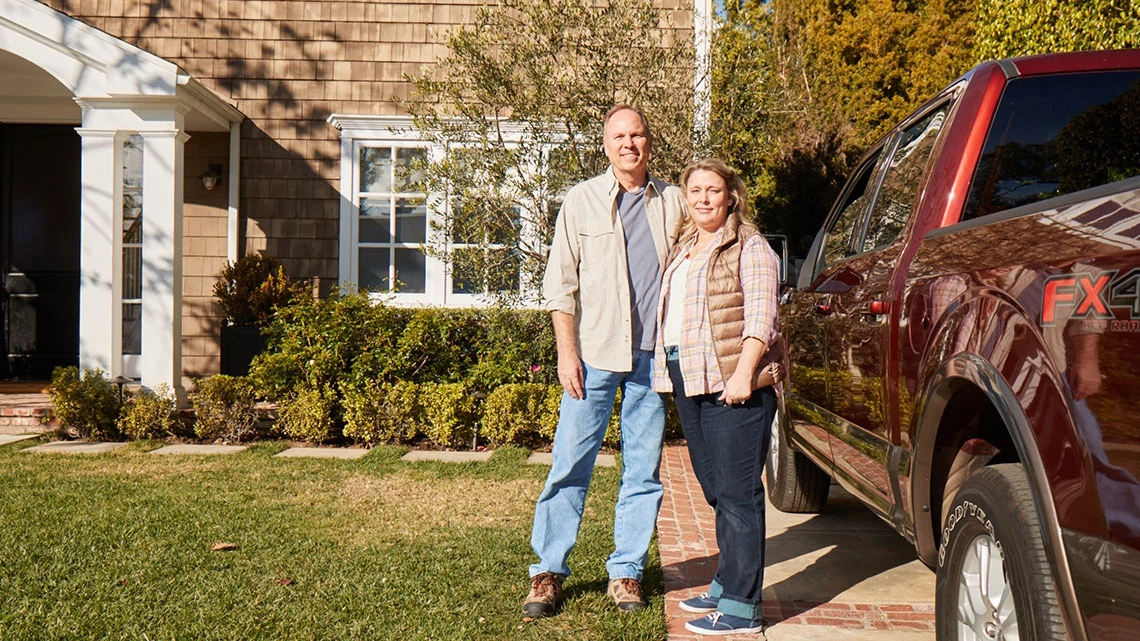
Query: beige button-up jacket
[(587, 275)]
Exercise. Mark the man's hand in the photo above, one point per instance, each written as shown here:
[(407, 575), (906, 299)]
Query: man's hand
[(570, 373), (571, 376), (1084, 373)]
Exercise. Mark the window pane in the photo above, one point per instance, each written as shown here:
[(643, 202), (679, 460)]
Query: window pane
[(465, 271), (133, 163), (132, 328), (842, 233), (502, 270), (375, 220), (132, 272), (464, 226), (411, 220), (376, 169), (410, 272), (505, 229), (410, 169), (903, 180), (1054, 135), (132, 227), (374, 268)]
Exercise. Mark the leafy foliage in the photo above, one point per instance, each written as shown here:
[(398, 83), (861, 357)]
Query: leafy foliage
[(1009, 28), (802, 87), (368, 359), (251, 288), (308, 415), (517, 106), (225, 407), (382, 412), (521, 414), (150, 414), (449, 413), (89, 405)]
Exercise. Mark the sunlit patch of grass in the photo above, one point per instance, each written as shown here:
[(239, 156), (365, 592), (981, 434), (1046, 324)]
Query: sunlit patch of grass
[(118, 545)]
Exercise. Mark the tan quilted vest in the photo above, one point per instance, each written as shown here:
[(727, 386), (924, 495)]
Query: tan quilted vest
[(726, 298)]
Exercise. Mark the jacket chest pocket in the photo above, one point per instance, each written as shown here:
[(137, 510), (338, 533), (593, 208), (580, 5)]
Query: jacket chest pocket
[(596, 242)]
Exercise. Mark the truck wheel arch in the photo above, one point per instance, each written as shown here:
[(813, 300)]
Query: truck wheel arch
[(970, 374)]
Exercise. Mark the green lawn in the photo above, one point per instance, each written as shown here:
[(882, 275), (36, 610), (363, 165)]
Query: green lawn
[(117, 546)]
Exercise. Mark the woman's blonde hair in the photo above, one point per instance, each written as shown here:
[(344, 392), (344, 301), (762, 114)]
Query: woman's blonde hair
[(736, 190)]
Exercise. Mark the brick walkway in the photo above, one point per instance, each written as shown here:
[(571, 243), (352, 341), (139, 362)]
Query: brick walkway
[(24, 411), (687, 542)]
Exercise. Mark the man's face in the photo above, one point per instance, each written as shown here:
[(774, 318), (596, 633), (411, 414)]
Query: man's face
[(627, 142)]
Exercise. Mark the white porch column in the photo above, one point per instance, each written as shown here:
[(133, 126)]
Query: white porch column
[(163, 168), (100, 312)]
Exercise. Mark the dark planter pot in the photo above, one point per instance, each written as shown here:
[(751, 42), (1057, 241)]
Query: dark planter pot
[(240, 343)]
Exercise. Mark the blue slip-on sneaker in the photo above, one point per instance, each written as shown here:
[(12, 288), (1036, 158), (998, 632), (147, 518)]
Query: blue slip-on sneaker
[(702, 604), (721, 624)]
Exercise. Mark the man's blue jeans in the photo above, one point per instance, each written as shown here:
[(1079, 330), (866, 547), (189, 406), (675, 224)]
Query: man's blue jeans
[(581, 426), (727, 446)]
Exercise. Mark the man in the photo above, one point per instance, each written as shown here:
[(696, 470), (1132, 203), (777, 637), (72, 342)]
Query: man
[(601, 285)]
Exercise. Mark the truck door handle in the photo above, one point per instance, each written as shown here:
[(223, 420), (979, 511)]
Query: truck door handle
[(876, 307), (822, 309)]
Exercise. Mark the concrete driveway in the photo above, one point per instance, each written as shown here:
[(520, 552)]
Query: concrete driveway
[(839, 575)]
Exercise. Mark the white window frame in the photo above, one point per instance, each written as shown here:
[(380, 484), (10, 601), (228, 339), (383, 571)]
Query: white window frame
[(357, 133)]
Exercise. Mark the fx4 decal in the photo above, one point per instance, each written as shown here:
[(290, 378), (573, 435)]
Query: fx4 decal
[(1092, 297)]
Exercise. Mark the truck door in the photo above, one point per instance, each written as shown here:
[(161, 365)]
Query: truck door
[(806, 318), (861, 365)]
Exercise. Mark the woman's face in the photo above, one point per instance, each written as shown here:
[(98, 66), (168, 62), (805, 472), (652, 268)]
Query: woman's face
[(708, 198)]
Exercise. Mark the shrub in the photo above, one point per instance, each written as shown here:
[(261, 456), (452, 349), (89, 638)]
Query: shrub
[(448, 413), (252, 288), (150, 414), (308, 415), (88, 405), (317, 343), (515, 414), (225, 407), (382, 412)]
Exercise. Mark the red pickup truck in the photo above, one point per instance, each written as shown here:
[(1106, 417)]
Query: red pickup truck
[(963, 348)]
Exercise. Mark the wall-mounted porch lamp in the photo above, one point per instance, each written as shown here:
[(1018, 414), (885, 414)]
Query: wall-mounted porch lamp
[(212, 177)]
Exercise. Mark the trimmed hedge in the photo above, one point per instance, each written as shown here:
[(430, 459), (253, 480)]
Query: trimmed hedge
[(347, 366)]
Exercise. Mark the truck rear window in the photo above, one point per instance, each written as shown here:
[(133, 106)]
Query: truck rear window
[(1054, 135)]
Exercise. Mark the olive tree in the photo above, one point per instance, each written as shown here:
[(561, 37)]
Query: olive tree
[(514, 113)]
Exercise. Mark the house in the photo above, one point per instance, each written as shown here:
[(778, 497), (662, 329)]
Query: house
[(145, 142)]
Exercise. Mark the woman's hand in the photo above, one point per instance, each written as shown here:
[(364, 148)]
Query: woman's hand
[(737, 390)]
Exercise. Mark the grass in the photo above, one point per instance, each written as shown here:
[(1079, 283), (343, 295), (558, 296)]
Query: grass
[(117, 546)]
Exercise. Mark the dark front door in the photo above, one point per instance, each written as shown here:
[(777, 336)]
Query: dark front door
[(39, 249)]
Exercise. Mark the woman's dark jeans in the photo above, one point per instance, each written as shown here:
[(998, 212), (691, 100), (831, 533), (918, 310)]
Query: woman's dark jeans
[(728, 445)]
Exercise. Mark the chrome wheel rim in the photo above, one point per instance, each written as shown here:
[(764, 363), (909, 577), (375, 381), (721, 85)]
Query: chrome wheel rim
[(985, 597), (774, 448)]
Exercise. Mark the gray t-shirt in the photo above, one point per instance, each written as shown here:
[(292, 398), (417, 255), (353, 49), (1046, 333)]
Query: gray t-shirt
[(644, 268)]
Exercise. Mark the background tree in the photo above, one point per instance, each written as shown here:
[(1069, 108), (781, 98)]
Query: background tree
[(1009, 28), (802, 87), (516, 109)]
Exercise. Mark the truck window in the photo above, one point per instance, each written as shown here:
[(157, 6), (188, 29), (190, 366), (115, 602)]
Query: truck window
[(840, 240), (1054, 135), (903, 179)]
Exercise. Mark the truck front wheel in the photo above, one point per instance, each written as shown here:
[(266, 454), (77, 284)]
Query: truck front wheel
[(994, 580), (795, 484)]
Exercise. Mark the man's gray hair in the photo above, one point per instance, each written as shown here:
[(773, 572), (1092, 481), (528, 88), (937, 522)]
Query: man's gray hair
[(623, 107)]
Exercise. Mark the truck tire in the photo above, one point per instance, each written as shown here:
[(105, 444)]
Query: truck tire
[(994, 580), (795, 484)]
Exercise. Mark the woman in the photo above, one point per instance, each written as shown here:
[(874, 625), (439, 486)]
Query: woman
[(717, 315)]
